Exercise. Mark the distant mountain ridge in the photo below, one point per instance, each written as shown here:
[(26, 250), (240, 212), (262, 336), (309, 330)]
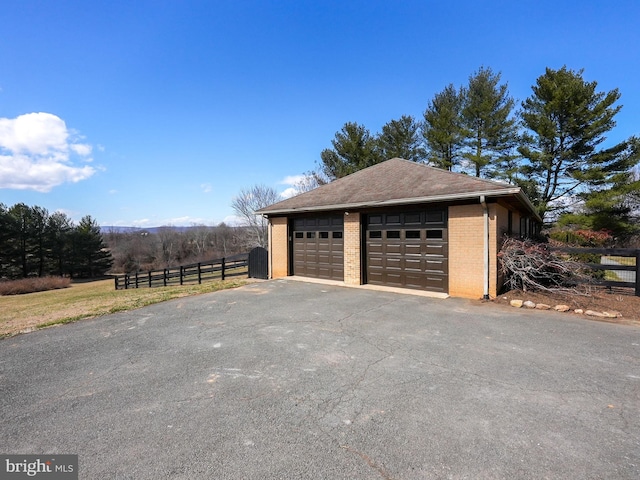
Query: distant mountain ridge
[(120, 229)]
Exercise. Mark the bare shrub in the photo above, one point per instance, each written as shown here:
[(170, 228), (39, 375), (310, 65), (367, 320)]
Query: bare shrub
[(529, 265), (30, 285)]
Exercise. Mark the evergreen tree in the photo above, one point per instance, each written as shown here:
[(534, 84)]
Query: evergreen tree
[(567, 121), (58, 232), (442, 128), (5, 235), (401, 139), (90, 257), (491, 133), (39, 219), (20, 245), (353, 149)]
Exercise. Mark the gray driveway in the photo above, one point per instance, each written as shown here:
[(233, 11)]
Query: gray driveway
[(284, 379)]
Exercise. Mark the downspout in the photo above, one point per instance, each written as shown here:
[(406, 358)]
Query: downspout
[(485, 215)]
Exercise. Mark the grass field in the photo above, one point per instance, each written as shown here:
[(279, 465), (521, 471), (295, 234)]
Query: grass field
[(620, 276), (23, 313)]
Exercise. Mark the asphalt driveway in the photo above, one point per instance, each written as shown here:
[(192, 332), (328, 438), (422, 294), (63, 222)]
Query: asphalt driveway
[(283, 379)]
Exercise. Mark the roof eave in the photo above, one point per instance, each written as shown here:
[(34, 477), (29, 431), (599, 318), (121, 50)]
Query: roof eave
[(516, 191)]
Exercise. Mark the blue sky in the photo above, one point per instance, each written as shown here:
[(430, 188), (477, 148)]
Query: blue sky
[(146, 113)]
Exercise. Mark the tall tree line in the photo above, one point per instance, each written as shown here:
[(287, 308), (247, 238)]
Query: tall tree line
[(169, 247), (36, 243), (551, 146)]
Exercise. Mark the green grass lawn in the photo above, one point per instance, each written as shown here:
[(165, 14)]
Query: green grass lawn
[(617, 276), (19, 313)]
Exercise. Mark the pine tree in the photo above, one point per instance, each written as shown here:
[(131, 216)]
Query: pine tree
[(401, 139), (491, 132), (567, 120), (353, 149), (442, 128), (90, 257)]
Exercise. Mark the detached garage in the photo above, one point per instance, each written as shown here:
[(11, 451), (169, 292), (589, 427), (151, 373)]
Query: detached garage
[(400, 224)]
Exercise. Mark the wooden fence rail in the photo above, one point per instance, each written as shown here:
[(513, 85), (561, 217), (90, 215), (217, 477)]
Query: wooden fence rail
[(196, 272), (611, 265)]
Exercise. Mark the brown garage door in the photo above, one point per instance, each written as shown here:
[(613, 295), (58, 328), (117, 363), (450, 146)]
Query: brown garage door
[(318, 247), (408, 249)]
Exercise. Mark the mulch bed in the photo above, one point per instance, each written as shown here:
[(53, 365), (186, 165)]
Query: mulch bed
[(621, 300)]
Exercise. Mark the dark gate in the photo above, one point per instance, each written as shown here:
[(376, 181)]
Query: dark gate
[(259, 263)]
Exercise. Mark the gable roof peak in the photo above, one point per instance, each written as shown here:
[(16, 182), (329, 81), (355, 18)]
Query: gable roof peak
[(392, 182)]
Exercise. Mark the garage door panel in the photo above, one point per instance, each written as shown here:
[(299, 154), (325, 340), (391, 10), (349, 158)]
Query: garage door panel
[(392, 278), (375, 262), (435, 249), (437, 283), (393, 248), (318, 247), (414, 280), (408, 249), (375, 249), (440, 266), (414, 264), (393, 263)]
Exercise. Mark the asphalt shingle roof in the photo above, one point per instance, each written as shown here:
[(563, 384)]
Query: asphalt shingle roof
[(393, 182)]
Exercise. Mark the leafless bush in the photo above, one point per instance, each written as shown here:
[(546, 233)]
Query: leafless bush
[(529, 265), (30, 285)]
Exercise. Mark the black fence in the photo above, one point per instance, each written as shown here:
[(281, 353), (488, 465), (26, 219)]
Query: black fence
[(629, 276), (220, 269)]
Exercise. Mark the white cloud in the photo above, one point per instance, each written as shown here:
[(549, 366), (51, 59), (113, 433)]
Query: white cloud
[(289, 192), (143, 222), (36, 152), (291, 179), (81, 149), (206, 187)]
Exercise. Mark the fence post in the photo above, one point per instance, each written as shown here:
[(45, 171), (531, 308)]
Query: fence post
[(637, 273), (199, 274), (126, 281), (149, 278), (116, 279), (136, 279), (164, 276), (223, 265), (181, 274)]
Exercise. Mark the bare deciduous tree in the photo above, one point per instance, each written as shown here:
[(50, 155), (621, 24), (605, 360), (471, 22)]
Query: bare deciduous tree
[(247, 203), (310, 180)]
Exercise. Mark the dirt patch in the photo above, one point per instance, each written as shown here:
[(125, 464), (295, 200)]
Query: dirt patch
[(599, 300)]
